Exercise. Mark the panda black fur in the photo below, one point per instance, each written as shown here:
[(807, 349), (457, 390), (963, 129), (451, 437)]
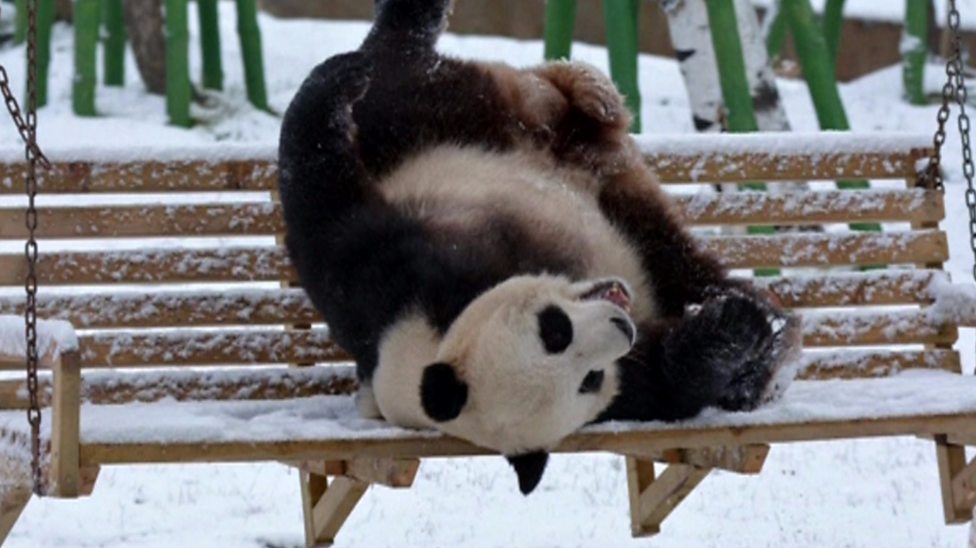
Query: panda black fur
[(467, 230)]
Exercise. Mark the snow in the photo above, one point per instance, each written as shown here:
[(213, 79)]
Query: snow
[(814, 144), (861, 493), (52, 335)]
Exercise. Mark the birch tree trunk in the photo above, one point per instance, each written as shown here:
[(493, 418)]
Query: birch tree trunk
[(766, 102), (692, 43)]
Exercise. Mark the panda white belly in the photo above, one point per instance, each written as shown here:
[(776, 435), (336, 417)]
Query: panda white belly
[(456, 188)]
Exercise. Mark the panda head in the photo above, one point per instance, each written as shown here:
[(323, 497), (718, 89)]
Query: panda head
[(527, 363)]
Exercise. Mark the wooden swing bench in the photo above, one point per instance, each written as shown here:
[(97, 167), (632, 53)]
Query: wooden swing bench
[(208, 370)]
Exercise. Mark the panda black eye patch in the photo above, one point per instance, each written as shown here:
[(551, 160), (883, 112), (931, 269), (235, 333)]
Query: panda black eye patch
[(555, 329)]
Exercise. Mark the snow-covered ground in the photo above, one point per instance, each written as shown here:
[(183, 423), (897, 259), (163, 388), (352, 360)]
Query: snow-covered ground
[(861, 493)]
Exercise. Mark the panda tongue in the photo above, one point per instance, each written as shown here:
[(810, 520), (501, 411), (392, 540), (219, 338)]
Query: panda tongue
[(616, 295)]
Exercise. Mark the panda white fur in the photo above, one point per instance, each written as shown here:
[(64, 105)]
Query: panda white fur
[(489, 245)]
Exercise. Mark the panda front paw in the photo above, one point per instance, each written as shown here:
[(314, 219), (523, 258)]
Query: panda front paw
[(738, 348)]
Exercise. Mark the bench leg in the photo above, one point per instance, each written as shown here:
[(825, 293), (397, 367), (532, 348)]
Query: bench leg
[(653, 499), (11, 507), (957, 480), (328, 503)]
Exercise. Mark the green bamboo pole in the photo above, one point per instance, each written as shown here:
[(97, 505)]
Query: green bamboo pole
[(20, 28), (86, 21), (833, 25), (213, 71), (560, 21), (776, 38), (812, 51), (45, 20), (178, 89), (736, 95), (115, 37), (250, 35), (621, 18), (914, 50)]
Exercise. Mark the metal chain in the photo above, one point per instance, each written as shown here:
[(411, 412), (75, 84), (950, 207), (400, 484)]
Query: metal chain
[(32, 153)]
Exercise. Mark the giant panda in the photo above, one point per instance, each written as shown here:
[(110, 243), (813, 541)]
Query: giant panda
[(491, 248)]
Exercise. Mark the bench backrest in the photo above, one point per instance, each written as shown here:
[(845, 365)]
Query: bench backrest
[(173, 259)]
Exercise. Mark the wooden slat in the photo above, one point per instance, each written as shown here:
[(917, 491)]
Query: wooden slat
[(622, 441), (771, 167), (640, 476), (951, 460), (274, 383), (213, 220), (870, 328), (152, 266), (265, 383), (147, 221), (12, 504), (761, 208), (185, 173), (86, 176), (332, 510), (855, 364), (801, 250), (173, 308), (888, 287), (270, 263), (291, 306), (209, 348)]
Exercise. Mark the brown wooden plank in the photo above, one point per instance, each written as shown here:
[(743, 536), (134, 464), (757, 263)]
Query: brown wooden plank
[(66, 427), (640, 476), (111, 387), (752, 208), (152, 266), (951, 461), (188, 174), (291, 306), (855, 364), (145, 175), (623, 441), (138, 221), (802, 250), (761, 208), (869, 328), (12, 504), (887, 287), (334, 507), (772, 167), (269, 263), (173, 308), (209, 348), (667, 491), (118, 387)]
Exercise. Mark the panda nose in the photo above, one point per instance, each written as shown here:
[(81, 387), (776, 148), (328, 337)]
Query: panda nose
[(625, 327)]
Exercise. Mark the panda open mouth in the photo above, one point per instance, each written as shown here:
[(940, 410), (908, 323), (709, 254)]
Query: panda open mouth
[(611, 291)]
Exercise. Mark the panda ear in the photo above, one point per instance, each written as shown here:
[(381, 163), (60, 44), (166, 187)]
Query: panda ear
[(442, 393), (529, 468)]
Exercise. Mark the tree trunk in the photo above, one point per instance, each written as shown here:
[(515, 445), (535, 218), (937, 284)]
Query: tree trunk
[(692, 42), (63, 10), (145, 23)]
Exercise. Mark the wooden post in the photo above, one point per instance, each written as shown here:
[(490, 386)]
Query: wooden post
[(952, 463), (178, 87), (640, 476), (621, 21), (115, 37), (313, 486), (250, 36), (11, 506), (66, 427), (558, 33), (86, 21), (213, 70), (653, 499), (333, 508)]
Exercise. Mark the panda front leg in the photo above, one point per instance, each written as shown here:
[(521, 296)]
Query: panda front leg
[(727, 354)]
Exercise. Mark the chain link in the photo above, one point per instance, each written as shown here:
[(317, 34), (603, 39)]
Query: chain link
[(27, 127)]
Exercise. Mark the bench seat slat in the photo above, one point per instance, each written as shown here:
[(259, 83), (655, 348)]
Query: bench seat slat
[(196, 308), (261, 346), (270, 263), (105, 387), (750, 208)]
